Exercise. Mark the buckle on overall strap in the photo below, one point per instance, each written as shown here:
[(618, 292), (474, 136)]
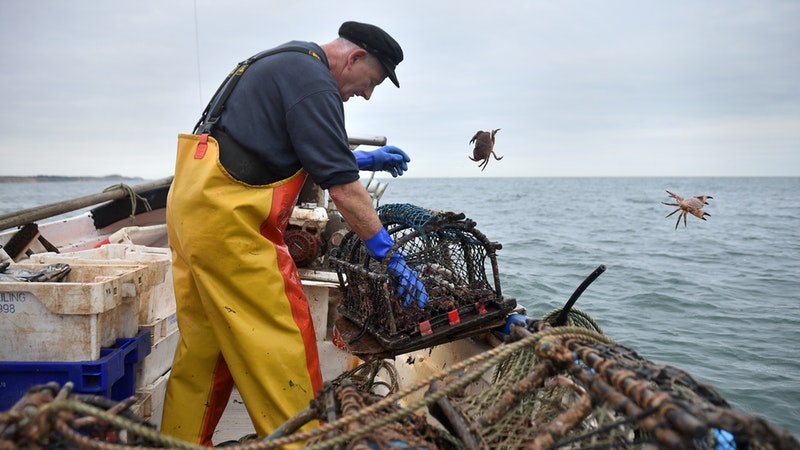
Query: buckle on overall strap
[(202, 146)]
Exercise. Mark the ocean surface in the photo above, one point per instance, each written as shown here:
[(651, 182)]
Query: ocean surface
[(719, 298)]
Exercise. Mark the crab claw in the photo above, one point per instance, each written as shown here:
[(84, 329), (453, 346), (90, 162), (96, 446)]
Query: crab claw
[(703, 198)]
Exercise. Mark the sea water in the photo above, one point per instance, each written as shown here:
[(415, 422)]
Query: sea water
[(719, 298)]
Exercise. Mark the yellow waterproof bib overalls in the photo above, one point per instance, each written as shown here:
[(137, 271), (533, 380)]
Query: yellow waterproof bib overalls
[(241, 310)]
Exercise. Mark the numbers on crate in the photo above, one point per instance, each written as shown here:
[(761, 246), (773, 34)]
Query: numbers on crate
[(8, 300)]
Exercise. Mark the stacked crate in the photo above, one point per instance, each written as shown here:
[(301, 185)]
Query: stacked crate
[(83, 329), (151, 314)]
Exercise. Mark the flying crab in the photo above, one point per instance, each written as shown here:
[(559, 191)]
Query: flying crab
[(692, 205), (484, 147)]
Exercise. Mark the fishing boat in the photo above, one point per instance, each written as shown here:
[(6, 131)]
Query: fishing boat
[(472, 370)]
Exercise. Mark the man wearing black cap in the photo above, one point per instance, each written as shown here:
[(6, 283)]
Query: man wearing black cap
[(241, 310), (377, 43)]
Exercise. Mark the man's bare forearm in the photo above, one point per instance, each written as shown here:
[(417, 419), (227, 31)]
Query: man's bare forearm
[(355, 204)]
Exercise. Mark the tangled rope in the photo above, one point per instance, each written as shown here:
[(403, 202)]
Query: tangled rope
[(477, 364), (51, 417), (35, 424), (575, 318)]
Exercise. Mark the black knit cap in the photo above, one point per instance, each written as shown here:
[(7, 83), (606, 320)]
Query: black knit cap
[(377, 42)]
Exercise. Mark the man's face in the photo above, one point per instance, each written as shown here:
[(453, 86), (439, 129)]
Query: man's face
[(361, 75)]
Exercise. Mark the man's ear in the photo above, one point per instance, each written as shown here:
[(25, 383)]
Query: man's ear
[(356, 55)]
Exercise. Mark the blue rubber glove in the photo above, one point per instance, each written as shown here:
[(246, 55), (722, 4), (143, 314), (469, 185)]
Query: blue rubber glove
[(388, 158), (404, 278), (514, 319)]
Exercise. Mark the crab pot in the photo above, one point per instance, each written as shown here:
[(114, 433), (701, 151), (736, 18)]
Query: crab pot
[(450, 257)]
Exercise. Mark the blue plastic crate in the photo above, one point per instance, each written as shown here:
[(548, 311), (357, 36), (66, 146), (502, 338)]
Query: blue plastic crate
[(112, 376)]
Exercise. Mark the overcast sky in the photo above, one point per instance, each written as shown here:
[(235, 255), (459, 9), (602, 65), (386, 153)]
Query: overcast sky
[(578, 88)]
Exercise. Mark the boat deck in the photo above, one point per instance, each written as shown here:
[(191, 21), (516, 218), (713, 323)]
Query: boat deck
[(235, 423)]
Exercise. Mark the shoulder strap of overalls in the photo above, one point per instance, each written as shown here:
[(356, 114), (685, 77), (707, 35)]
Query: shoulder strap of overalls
[(214, 108)]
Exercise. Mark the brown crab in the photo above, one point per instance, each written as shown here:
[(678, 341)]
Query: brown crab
[(692, 205), (484, 147)]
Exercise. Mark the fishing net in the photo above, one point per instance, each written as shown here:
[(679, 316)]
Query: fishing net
[(566, 387), (404, 430), (576, 389), (450, 258)]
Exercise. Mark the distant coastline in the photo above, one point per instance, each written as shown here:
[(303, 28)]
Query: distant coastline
[(49, 178)]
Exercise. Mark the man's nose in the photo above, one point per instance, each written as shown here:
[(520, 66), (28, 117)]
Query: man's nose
[(368, 93)]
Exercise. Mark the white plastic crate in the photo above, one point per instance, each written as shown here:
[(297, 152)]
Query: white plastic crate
[(161, 328), (157, 302), (150, 400), (159, 361), (73, 319)]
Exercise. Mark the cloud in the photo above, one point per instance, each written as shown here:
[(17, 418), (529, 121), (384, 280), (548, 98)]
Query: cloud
[(579, 88)]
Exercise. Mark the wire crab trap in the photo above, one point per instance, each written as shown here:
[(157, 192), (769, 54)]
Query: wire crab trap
[(450, 258)]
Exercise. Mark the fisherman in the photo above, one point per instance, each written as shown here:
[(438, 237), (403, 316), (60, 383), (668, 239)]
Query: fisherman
[(241, 310)]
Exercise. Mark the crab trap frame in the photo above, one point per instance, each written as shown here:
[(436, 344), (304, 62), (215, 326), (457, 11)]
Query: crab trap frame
[(450, 258)]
